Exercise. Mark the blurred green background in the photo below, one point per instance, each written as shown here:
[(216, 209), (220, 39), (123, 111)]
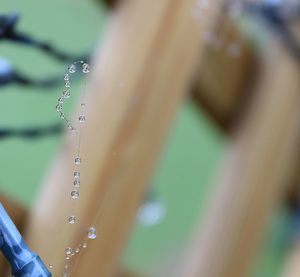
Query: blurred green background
[(187, 168)]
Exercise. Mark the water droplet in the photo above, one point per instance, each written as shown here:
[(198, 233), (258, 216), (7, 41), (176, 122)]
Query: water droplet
[(66, 93), (92, 233), (77, 174), (77, 160), (74, 194), (66, 77), (84, 245), (81, 118), (76, 183), (77, 250), (58, 107), (50, 266), (60, 100), (72, 219), (82, 105), (66, 266), (85, 68), (65, 274), (69, 251), (62, 115), (72, 68), (67, 84)]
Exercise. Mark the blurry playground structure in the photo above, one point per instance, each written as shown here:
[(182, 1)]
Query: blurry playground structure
[(161, 59)]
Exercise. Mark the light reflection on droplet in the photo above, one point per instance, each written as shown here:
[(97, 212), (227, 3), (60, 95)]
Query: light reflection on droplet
[(75, 194), (72, 219), (92, 233)]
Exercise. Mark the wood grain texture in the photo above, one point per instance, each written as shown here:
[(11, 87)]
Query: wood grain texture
[(140, 76), (261, 162)]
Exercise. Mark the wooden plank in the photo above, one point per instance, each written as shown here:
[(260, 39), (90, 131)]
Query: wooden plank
[(262, 160), (225, 74), (141, 75)]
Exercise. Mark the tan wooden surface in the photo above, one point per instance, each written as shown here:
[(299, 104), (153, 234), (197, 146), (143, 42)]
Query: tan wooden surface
[(140, 76), (225, 74), (261, 162)]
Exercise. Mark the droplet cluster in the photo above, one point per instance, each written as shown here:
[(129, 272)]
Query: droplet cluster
[(67, 92), (75, 192), (70, 251)]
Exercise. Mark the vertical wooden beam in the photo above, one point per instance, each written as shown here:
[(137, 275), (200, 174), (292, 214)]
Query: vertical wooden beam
[(225, 74), (262, 159), (140, 76)]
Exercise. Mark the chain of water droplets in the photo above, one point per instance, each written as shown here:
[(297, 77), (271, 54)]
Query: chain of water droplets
[(91, 232)]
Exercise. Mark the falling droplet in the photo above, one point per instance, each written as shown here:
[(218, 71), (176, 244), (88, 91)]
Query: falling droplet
[(92, 233), (84, 245), (62, 115), (72, 219), (82, 119), (74, 194), (50, 266), (85, 68), (72, 68), (82, 105), (60, 100), (65, 274), (77, 250), (77, 174), (77, 160), (76, 183)]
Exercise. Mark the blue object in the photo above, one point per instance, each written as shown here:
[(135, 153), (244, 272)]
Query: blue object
[(24, 262)]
